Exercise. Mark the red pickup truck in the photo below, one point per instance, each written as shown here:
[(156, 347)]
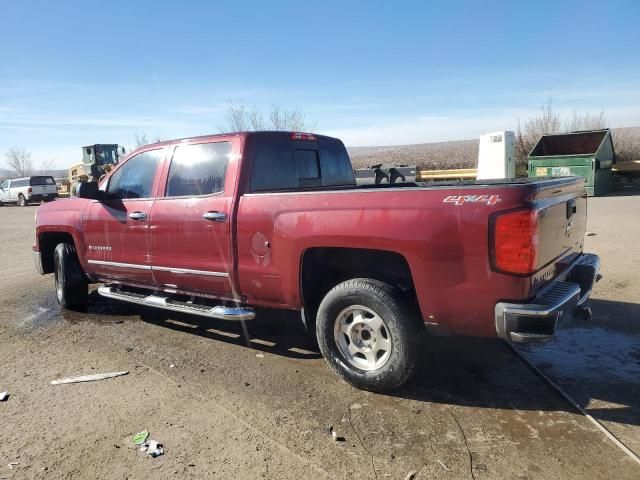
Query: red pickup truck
[(220, 224)]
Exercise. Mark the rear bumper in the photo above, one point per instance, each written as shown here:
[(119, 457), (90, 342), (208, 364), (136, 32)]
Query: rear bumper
[(537, 320), (39, 197)]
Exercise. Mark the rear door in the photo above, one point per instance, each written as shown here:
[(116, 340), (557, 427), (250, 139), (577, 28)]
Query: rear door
[(191, 221), (117, 229)]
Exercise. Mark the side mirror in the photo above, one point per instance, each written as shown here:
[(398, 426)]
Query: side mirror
[(89, 190)]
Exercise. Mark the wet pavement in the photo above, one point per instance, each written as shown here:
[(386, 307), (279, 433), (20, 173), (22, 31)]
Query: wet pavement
[(474, 410)]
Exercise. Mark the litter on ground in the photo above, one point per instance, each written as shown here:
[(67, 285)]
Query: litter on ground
[(151, 447), (87, 378), (4, 396), (140, 437)]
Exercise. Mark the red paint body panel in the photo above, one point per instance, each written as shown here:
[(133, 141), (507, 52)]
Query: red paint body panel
[(258, 249), (445, 246)]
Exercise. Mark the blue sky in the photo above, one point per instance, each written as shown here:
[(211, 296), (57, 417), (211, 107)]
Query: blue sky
[(372, 73)]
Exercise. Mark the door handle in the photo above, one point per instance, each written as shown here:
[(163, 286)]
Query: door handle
[(215, 216), (138, 216)]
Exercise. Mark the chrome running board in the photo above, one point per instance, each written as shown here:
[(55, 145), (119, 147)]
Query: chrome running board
[(220, 312)]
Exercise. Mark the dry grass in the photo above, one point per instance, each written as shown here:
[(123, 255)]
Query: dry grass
[(464, 153)]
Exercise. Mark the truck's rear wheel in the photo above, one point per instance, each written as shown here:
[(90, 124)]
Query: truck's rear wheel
[(369, 334), (72, 287), (22, 201)]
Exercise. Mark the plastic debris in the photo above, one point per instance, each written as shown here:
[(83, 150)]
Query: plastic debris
[(336, 438), (152, 448), (13, 464), (87, 378), (140, 437), (4, 396), (172, 366), (260, 355)]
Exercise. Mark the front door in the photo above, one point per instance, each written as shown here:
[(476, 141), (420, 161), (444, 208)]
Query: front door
[(191, 221), (117, 228), (4, 191)]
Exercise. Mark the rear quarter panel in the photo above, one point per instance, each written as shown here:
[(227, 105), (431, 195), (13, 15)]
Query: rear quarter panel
[(445, 245)]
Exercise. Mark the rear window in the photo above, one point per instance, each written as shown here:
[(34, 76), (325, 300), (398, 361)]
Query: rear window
[(293, 165), (42, 181)]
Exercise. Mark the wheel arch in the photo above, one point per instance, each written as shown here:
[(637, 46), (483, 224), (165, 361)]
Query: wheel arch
[(322, 268), (47, 242)]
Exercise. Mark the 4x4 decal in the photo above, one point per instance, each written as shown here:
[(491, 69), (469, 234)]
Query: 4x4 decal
[(462, 199)]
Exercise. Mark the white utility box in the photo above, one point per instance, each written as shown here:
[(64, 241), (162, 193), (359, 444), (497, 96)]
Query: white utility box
[(496, 158)]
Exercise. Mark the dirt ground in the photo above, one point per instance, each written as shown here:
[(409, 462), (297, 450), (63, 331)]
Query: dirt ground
[(223, 410)]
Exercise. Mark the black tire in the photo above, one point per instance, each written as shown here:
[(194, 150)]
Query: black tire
[(72, 286), (401, 324), (22, 201)]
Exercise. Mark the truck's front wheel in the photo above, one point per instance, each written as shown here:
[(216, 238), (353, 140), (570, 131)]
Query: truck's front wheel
[(369, 334), (72, 287)]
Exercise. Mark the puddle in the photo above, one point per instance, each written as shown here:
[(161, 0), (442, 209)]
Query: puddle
[(46, 312), (590, 354)]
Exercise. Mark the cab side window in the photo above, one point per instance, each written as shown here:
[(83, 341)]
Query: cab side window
[(5, 185), (198, 169), (134, 179)]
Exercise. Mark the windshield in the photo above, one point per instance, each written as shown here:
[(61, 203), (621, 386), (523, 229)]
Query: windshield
[(42, 181), (105, 154)]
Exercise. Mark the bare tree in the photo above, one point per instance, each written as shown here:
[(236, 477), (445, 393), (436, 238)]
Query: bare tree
[(142, 139), (586, 122), (242, 117), (47, 165), (19, 162), (626, 143), (529, 132)]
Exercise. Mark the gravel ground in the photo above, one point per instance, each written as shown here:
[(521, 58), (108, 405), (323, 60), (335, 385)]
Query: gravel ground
[(223, 410)]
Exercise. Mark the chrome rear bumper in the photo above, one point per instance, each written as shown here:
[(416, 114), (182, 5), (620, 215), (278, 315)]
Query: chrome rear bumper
[(537, 320)]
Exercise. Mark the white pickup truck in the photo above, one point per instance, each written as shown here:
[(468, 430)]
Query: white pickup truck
[(28, 190)]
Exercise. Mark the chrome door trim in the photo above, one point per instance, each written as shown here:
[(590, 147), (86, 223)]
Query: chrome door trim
[(120, 265), (190, 271), (159, 269)]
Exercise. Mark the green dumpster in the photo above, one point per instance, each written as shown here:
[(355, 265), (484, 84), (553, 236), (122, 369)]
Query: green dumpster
[(588, 154)]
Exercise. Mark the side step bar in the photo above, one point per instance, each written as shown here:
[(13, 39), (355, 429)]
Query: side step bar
[(220, 312)]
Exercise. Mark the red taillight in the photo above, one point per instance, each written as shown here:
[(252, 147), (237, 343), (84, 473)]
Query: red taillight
[(515, 241), (302, 136), (30, 190)]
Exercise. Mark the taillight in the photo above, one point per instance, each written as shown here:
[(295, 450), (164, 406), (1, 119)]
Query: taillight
[(29, 190), (515, 241), (302, 136)]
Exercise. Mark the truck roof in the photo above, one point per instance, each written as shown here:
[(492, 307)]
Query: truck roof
[(271, 133)]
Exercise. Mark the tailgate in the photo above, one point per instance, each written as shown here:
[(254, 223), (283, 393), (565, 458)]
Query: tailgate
[(562, 223), (43, 189)]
